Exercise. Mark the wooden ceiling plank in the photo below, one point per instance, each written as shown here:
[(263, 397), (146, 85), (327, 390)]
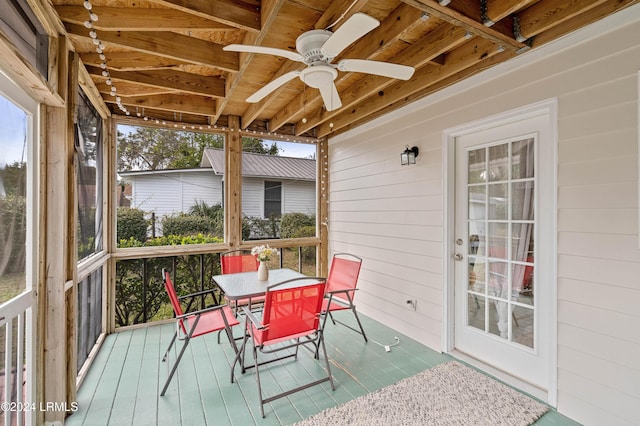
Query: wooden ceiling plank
[(131, 89), (269, 13), (176, 80), (225, 11), (188, 104), (499, 9), (547, 14), (168, 44), (139, 19), (131, 61), (398, 23), (443, 39), (462, 58), (581, 20), (473, 26)]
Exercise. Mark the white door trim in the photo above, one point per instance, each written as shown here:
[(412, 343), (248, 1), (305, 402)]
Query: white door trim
[(547, 107)]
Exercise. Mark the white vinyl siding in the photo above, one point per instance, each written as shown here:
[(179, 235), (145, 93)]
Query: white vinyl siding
[(299, 197), (252, 197), (392, 216), (167, 193)]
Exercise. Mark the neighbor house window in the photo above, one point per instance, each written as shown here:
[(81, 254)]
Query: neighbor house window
[(272, 199)]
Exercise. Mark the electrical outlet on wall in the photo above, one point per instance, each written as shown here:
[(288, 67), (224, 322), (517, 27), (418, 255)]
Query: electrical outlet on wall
[(412, 304)]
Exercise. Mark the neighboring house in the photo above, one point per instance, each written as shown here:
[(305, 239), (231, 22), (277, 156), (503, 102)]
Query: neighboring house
[(270, 185)]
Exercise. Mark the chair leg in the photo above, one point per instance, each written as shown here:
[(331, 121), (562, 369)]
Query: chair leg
[(359, 324), (173, 339), (239, 358), (175, 365), (326, 359), (255, 360)]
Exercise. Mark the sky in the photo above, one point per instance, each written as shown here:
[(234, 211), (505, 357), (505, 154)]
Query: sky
[(12, 132), (288, 149)]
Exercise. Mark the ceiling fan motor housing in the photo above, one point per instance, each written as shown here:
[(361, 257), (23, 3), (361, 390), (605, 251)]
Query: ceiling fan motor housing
[(309, 45), (318, 76)]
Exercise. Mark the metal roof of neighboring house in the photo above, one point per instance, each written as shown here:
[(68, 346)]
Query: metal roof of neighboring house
[(262, 165), (159, 171)]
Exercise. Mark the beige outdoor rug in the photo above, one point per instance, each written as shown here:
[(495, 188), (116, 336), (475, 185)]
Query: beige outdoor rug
[(448, 394)]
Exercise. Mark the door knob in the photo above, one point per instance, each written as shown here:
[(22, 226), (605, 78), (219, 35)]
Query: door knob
[(457, 257)]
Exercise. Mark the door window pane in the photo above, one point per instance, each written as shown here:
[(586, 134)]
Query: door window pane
[(501, 241)]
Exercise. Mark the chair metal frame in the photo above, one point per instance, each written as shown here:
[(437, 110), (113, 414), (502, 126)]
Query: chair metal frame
[(339, 297), (236, 304), (259, 331), (218, 318)]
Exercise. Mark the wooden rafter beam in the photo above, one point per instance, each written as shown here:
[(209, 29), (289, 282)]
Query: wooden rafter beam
[(269, 13), (168, 45), (226, 11), (186, 104), (465, 57), (397, 24), (471, 25), (442, 40), (139, 19), (168, 79), (131, 61)]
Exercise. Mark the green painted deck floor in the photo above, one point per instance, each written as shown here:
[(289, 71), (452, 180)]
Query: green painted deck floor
[(122, 386)]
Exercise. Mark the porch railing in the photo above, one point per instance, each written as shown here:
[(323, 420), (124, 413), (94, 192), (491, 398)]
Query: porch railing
[(15, 323), (140, 293)]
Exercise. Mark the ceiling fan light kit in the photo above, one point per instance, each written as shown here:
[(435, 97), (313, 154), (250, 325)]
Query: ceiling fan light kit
[(316, 49)]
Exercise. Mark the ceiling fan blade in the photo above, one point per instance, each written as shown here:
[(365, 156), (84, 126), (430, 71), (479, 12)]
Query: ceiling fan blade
[(330, 96), (272, 85), (384, 69), (355, 27), (266, 50)]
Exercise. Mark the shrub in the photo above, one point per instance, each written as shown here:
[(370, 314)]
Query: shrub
[(292, 223), (187, 224), (131, 224)]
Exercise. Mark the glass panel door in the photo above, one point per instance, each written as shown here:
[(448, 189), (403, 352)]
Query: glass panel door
[(501, 188)]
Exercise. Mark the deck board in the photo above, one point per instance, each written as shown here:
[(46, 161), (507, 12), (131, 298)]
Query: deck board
[(122, 386)]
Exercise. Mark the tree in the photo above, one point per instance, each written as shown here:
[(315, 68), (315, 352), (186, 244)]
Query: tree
[(258, 146), (148, 148)]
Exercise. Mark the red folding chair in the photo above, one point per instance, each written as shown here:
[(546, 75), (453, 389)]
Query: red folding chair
[(235, 261), (291, 318), (194, 324), (341, 287)]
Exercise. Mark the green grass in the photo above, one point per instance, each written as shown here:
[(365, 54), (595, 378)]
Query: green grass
[(11, 285)]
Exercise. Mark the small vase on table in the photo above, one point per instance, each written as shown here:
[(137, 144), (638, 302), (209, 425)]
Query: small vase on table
[(263, 271)]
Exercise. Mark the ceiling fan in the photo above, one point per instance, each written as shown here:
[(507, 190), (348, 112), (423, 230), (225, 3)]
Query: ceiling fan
[(317, 48)]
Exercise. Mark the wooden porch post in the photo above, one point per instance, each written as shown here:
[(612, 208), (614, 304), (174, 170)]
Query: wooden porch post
[(233, 183), (55, 328), (323, 207)]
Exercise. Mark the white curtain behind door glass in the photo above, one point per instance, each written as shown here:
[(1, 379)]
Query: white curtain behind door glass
[(521, 218)]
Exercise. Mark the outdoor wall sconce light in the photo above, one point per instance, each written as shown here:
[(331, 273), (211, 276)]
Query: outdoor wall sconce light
[(409, 155)]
